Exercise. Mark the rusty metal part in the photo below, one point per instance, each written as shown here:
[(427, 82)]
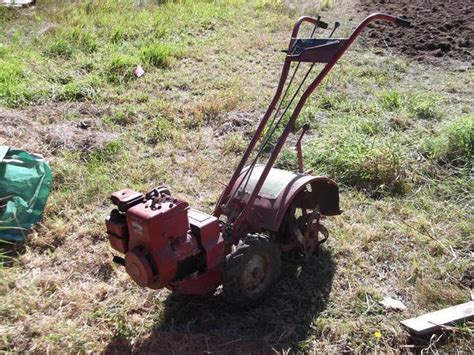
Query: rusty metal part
[(312, 228), (305, 231), (139, 268), (281, 189), (117, 231), (198, 284), (299, 149), (126, 198)]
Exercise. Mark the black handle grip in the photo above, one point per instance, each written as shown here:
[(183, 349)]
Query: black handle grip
[(402, 21), (322, 24)]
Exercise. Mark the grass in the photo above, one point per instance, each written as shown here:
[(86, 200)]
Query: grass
[(120, 67), (454, 143), (158, 55), (397, 136)]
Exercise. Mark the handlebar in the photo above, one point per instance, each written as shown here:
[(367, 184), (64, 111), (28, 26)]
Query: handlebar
[(315, 21), (399, 21), (330, 60)]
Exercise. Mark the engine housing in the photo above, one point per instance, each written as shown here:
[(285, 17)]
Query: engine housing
[(165, 242)]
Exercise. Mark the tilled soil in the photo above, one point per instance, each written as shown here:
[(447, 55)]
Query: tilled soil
[(441, 33)]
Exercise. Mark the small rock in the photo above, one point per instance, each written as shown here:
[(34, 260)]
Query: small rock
[(393, 304), (83, 124)]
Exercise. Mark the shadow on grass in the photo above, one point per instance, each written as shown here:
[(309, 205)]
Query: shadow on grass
[(9, 251), (283, 320)]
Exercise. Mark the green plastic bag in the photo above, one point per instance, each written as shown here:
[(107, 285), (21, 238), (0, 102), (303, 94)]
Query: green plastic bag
[(25, 183)]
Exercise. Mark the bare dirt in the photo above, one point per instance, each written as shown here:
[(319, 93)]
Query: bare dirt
[(45, 129), (441, 32)]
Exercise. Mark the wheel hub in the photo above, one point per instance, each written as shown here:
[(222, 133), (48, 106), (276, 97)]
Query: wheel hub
[(255, 274)]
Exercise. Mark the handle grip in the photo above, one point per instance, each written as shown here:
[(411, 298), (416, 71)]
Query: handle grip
[(315, 21), (402, 21), (322, 24)]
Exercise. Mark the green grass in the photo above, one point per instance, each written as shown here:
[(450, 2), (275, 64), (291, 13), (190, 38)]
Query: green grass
[(395, 135), (158, 55), (120, 68), (96, 40), (454, 143), (60, 48)]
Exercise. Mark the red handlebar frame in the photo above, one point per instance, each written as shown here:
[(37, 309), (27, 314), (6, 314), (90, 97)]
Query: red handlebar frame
[(239, 218), (309, 19)]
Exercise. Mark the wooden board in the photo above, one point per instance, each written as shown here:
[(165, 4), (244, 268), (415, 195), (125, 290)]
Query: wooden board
[(431, 322)]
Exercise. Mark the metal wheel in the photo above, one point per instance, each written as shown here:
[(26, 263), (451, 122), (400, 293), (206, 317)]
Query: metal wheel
[(250, 270)]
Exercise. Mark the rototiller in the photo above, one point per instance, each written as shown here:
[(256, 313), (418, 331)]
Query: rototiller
[(261, 212)]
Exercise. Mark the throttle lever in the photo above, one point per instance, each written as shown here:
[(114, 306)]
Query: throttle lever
[(336, 26)]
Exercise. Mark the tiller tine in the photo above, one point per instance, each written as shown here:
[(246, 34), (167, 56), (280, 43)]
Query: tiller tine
[(311, 240)]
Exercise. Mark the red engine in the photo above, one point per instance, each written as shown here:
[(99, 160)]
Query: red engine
[(166, 244)]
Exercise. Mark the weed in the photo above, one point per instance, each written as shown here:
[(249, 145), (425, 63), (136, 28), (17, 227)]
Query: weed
[(76, 91), (234, 143), (123, 116), (14, 91), (371, 126), (6, 247), (159, 130), (117, 36), (454, 144), (82, 39), (107, 153), (325, 4), (353, 157), (424, 107), (120, 68), (60, 48), (10, 75), (208, 109), (268, 4), (3, 51), (391, 100), (158, 55), (288, 159)]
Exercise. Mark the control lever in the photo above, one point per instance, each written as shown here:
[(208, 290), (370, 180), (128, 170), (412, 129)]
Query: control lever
[(299, 150), (336, 26), (314, 28)]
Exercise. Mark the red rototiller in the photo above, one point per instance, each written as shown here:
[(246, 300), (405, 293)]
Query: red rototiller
[(261, 212)]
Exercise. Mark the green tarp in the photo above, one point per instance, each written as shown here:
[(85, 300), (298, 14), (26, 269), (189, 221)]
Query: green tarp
[(25, 182)]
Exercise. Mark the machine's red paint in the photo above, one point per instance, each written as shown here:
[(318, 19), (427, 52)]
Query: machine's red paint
[(268, 211), (159, 236), (199, 284), (208, 232)]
